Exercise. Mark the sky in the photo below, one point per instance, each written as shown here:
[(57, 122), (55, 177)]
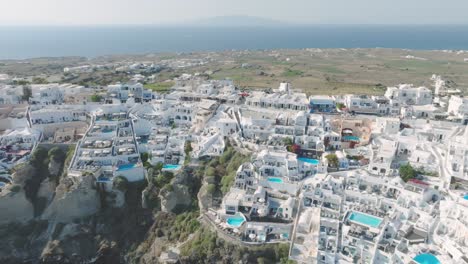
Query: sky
[(118, 12)]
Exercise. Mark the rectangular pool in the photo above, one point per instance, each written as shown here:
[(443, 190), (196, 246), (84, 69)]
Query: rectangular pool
[(308, 160), (365, 219), (275, 179), (125, 167), (351, 138), (171, 166)]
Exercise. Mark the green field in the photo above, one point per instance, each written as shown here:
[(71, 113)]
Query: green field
[(160, 87)]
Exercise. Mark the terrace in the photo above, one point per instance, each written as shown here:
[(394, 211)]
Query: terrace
[(98, 153), (111, 117), (104, 129), (96, 144)]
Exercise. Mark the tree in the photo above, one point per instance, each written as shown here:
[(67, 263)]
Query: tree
[(120, 183), (96, 98), (332, 160), (407, 172), (287, 141), (188, 147), (39, 158), (144, 157), (27, 93), (158, 167)]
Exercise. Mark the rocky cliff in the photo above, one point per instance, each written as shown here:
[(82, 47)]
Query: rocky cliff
[(15, 207), (73, 200)]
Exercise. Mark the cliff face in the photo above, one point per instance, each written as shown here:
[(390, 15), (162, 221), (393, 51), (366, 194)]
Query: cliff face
[(174, 198), (15, 207), (73, 200)]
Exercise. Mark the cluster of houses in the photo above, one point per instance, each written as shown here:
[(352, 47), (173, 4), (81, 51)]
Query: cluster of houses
[(324, 174), (355, 207)]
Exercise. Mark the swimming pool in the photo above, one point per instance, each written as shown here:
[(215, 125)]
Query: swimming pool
[(275, 179), (171, 166), (235, 221), (125, 167), (351, 138), (365, 219), (426, 258), (103, 179), (307, 160), (465, 196)]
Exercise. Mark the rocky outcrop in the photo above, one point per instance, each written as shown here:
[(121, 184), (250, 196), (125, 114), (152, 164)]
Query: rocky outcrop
[(205, 199), (15, 207), (55, 167), (175, 197), (47, 190), (116, 198), (73, 200), (23, 173)]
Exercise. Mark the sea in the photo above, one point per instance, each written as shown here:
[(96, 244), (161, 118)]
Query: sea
[(21, 42)]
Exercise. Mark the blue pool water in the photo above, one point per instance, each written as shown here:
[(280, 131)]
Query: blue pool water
[(351, 138), (307, 160), (103, 179), (126, 167), (426, 258), (235, 221), (275, 179), (365, 219), (465, 196), (171, 166)]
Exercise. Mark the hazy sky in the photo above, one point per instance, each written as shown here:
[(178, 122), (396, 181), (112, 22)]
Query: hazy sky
[(80, 12)]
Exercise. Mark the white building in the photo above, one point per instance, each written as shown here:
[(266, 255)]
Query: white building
[(284, 99), (46, 94), (387, 126), (11, 94), (458, 107), (407, 94), (109, 148), (13, 116)]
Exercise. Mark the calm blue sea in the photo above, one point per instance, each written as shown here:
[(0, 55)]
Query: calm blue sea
[(28, 42)]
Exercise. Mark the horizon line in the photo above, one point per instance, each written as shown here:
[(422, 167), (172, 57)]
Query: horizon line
[(286, 24)]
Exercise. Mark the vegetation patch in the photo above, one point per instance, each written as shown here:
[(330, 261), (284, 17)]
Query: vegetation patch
[(207, 247), (292, 73), (220, 172), (160, 87)]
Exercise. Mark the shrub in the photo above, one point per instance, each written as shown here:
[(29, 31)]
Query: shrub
[(407, 172), (210, 172), (332, 160), (211, 188), (163, 179), (144, 157), (15, 188), (340, 106), (158, 167), (120, 183), (96, 98)]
